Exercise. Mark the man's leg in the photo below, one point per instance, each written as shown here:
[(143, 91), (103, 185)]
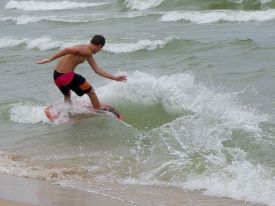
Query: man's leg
[(67, 98), (80, 86), (94, 99)]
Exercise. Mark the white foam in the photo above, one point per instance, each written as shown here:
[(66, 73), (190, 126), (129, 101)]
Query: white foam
[(142, 4), (18, 165), (46, 6), (42, 43), (136, 46), (30, 113), (179, 92), (244, 1), (240, 180), (26, 19), (6, 42), (196, 158), (190, 149), (27, 113), (205, 17), (46, 43)]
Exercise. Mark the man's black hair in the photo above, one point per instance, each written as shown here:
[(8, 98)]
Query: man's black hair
[(98, 40)]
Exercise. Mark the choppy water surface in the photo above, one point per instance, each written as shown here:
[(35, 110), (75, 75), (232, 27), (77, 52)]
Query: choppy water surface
[(198, 104)]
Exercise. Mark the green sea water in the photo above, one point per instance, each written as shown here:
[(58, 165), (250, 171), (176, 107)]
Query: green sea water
[(198, 104)]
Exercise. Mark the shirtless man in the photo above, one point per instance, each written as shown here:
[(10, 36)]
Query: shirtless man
[(66, 79)]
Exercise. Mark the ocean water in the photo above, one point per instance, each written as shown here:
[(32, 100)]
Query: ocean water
[(198, 104)]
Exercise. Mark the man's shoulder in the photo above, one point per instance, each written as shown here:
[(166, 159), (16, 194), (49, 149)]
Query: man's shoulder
[(81, 46), (82, 49)]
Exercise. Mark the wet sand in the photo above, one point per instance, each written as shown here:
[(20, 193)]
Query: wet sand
[(11, 203), (19, 191)]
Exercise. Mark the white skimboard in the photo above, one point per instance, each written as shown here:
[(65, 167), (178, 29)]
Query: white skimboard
[(57, 113)]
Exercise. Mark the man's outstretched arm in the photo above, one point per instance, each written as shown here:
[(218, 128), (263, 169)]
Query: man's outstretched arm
[(77, 50), (104, 73)]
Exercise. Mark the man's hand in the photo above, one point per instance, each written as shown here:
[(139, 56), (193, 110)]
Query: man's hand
[(43, 61), (121, 78)]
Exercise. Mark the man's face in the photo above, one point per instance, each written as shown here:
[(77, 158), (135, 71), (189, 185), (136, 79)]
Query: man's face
[(97, 48)]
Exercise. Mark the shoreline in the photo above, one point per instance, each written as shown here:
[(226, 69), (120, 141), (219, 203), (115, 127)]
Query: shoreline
[(5, 202), (20, 191)]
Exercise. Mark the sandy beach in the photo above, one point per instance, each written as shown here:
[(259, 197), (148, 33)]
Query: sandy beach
[(198, 105), (12, 203), (19, 191)]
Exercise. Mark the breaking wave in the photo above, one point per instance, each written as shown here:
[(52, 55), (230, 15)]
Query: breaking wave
[(47, 6), (219, 16), (207, 148), (47, 43), (200, 4), (26, 19)]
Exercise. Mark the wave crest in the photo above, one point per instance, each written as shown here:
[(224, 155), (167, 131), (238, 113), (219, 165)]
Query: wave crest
[(47, 6), (136, 46), (200, 4), (142, 4), (219, 16), (26, 19), (47, 43)]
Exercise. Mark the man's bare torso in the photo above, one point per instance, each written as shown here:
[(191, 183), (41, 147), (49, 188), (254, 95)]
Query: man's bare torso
[(68, 62)]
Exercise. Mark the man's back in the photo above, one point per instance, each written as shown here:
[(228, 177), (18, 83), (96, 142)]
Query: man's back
[(68, 62)]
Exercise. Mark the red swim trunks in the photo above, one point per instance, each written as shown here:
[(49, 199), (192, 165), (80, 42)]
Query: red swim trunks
[(71, 81)]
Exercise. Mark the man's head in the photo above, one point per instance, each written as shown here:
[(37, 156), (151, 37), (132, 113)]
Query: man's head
[(98, 42)]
